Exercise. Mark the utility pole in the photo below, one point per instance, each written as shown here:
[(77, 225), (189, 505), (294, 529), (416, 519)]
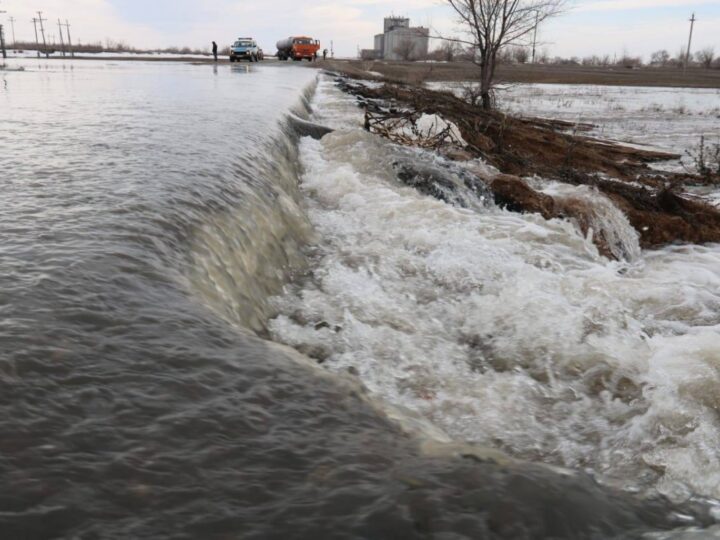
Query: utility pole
[(12, 28), (537, 21), (687, 53), (62, 42), (37, 43), (42, 31), (67, 26), (2, 40)]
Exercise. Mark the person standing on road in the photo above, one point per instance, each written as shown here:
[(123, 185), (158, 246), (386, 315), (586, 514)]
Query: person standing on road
[(215, 50), (324, 54)]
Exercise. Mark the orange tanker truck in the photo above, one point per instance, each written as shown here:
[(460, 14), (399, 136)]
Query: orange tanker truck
[(297, 48)]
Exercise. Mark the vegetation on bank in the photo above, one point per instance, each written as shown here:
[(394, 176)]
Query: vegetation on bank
[(655, 202)]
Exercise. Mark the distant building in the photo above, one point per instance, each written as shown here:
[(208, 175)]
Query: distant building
[(399, 41)]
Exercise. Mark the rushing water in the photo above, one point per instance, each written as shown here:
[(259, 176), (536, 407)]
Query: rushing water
[(510, 330), (150, 212)]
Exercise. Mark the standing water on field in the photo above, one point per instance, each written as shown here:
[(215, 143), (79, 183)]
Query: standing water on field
[(167, 232)]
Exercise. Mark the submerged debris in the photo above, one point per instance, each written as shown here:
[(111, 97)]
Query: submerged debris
[(551, 149)]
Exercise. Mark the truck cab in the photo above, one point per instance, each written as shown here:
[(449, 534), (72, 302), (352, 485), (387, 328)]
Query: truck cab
[(245, 49), (298, 48)]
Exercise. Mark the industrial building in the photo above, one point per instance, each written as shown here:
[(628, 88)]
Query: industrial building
[(399, 41)]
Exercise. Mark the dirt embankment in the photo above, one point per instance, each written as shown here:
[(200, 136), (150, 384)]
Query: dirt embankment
[(415, 72), (653, 201)]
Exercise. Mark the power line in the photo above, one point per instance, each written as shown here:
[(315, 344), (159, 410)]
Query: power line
[(687, 53), (12, 27), (42, 31), (534, 45), (2, 39), (37, 43), (67, 26), (62, 42)]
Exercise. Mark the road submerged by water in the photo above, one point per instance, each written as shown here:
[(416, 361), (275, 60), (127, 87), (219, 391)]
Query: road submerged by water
[(153, 217)]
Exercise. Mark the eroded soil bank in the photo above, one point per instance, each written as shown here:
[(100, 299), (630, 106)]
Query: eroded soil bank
[(655, 202)]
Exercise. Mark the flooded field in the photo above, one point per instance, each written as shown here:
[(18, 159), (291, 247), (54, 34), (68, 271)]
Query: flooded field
[(671, 119), (216, 327)]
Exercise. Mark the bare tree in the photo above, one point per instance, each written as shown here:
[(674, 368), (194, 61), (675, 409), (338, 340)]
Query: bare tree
[(405, 49), (593, 61), (494, 24), (448, 51), (628, 61), (521, 55), (706, 57), (470, 92), (679, 60), (504, 56), (660, 58)]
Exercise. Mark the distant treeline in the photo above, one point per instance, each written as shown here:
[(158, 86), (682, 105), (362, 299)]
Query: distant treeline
[(705, 58), (109, 46)]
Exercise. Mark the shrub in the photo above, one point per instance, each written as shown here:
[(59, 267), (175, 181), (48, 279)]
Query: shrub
[(706, 159)]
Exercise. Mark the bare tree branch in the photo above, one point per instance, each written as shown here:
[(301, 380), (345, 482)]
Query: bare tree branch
[(491, 25)]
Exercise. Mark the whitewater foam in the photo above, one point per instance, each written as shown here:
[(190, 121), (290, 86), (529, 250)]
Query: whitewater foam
[(509, 330)]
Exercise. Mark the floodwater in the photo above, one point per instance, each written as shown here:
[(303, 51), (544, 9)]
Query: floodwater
[(672, 119), (506, 329), (176, 261)]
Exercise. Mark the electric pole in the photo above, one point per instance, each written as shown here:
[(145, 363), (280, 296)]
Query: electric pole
[(2, 40), (687, 53), (12, 28), (67, 26), (62, 42), (537, 21), (42, 31), (37, 43)]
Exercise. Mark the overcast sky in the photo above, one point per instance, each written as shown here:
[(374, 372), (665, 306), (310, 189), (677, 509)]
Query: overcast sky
[(589, 27)]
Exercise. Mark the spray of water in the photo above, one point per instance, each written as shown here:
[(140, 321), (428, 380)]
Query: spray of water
[(505, 329)]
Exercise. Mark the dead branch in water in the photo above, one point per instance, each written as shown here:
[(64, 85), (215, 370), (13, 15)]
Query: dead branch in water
[(401, 127)]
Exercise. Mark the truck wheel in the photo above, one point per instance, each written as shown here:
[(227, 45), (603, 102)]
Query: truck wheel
[(232, 59)]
